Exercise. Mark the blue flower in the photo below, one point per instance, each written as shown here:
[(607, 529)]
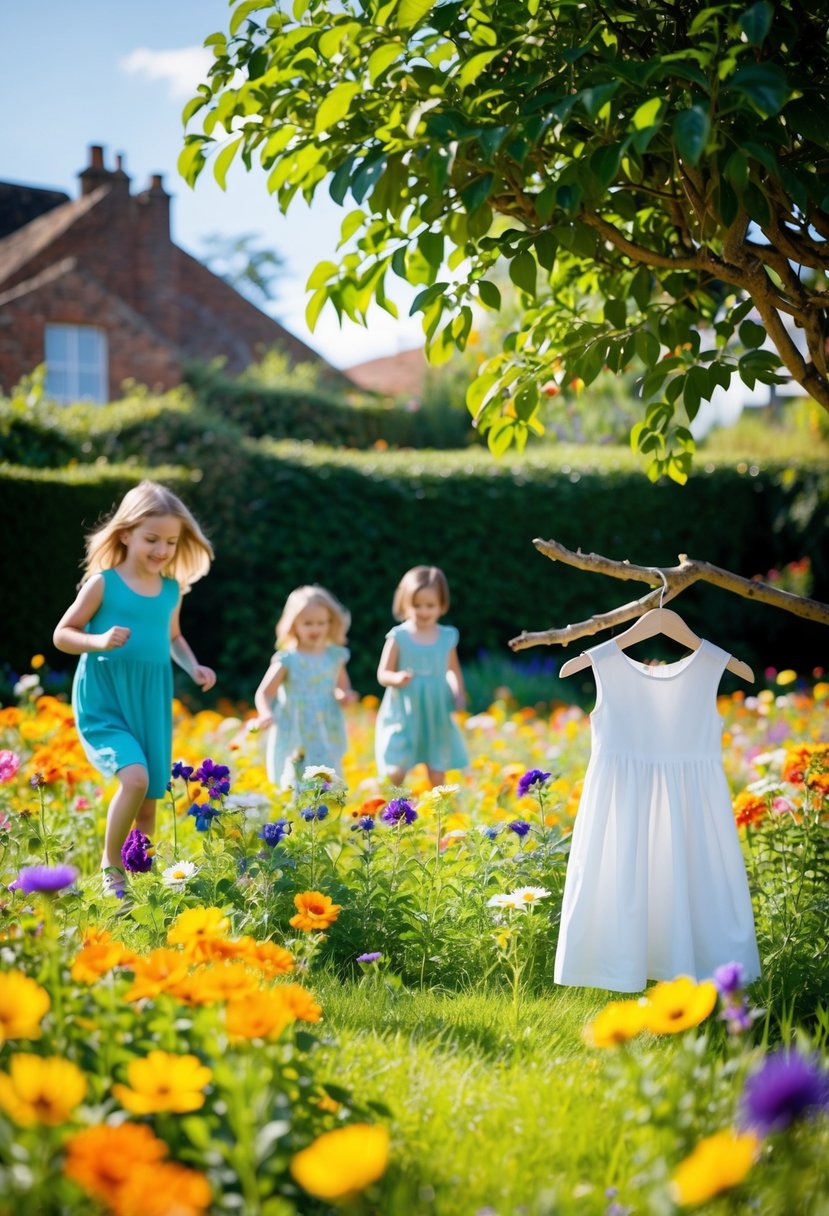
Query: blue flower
[(272, 833), (47, 879), (311, 812), (519, 826), (729, 978), (203, 813), (214, 777), (787, 1086), (373, 956), (490, 830), (181, 770), (533, 776), (364, 824), (398, 810)]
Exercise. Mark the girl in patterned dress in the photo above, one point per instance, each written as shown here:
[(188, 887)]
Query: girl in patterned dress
[(301, 695)]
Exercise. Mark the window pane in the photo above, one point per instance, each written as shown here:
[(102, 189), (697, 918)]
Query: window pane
[(57, 384), (89, 346), (56, 343), (90, 387)]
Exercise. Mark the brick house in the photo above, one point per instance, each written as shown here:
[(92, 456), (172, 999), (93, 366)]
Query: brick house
[(95, 287)]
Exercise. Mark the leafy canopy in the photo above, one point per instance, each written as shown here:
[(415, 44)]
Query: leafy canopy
[(649, 172)]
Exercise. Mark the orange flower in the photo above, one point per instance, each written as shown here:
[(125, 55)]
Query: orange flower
[(166, 1189), (301, 1002), (315, 911), (100, 1159), (749, 809), (98, 955), (159, 972), (217, 982), (264, 1015), (268, 957)]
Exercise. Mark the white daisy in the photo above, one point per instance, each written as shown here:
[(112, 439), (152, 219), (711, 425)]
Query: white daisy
[(529, 895), (178, 874), (320, 770)]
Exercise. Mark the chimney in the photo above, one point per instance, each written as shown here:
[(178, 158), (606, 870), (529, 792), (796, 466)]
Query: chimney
[(156, 200), (119, 177), (94, 175)]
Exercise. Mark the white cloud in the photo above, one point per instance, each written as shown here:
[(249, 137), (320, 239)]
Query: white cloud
[(182, 70)]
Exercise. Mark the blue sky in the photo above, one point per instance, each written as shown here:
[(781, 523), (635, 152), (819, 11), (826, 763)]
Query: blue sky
[(81, 72)]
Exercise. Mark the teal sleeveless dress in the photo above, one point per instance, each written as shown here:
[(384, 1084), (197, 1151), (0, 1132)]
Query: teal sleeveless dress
[(308, 724), (415, 723), (123, 699)]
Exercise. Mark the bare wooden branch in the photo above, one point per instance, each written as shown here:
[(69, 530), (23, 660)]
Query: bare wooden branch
[(669, 581)]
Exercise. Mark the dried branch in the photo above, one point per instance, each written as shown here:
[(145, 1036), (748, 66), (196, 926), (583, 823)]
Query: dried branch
[(669, 582)]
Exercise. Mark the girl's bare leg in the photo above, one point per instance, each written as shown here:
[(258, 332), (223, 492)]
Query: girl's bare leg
[(127, 803), (145, 819), (436, 777), (396, 775)]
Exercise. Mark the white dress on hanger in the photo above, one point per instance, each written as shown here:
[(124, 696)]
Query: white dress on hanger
[(656, 884)]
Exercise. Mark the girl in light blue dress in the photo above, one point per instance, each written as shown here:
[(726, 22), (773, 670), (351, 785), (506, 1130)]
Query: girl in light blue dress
[(124, 624), (420, 671), (300, 696)]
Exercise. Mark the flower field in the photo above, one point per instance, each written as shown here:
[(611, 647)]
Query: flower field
[(343, 1000)]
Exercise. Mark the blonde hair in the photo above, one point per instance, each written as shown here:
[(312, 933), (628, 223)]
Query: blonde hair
[(419, 578), (105, 549), (305, 597)]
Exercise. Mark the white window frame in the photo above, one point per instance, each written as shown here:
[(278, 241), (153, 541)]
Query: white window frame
[(63, 376)]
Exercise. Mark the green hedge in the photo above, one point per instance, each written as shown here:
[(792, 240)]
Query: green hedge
[(281, 514)]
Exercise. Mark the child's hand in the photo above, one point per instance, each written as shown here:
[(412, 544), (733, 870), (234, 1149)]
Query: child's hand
[(114, 638), (261, 723), (347, 696), (460, 703), (404, 677), (205, 677)]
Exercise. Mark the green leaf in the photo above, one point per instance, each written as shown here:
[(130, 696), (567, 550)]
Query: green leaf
[(322, 272), (755, 22), (691, 129), (381, 58), (424, 298), (223, 161), (192, 159), (336, 105), (616, 313), (341, 180), (489, 294), (500, 436), (193, 106), (640, 287), (604, 164), (475, 194), (752, 334), (471, 70), (242, 10), (522, 271), (411, 12), (647, 348), (765, 84)]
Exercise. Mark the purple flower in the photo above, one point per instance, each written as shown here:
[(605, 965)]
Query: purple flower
[(272, 833), (214, 777), (534, 776), (184, 771), (37, 781), (364, 824), (519, 826), (490, 831), (47, 879), (737, 1018), (136, 853), (373, 956), (787, 1086), (203, 813), (397, 811), (730, 978), (312, 812)]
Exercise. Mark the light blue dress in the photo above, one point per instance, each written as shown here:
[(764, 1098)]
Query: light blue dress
[(415, 723), (308, 724), (123, 699)]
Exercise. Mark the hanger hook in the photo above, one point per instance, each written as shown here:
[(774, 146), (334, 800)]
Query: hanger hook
[(664, 578)]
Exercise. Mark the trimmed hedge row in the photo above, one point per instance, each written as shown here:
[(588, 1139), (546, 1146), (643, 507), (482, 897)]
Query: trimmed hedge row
[(281, 514)]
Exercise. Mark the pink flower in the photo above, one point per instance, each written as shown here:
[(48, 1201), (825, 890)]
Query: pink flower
[(9, 764)]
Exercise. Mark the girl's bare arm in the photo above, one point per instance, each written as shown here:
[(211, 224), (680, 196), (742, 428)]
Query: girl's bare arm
[(266, 692), (69, 635), (343, 691), (454, 678), (387, 674), (205, 677)]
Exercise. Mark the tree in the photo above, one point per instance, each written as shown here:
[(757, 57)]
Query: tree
[(651, 172), (237, 260)]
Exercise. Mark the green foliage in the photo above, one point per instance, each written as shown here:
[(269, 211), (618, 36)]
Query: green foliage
[(646, 173)]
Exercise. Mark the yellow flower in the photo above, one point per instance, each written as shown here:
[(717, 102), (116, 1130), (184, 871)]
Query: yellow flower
[(160, 971), (41, 1089), (315, 911), (786, 677), (677, 1004), (99, 954), (23, 1003), (717, 1163), (198, 927), (342, 1162), (163, 1081), (263, 1015), (615, 1024)]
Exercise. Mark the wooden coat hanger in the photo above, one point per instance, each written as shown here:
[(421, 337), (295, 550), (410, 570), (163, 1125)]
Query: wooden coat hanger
[(658, 621)]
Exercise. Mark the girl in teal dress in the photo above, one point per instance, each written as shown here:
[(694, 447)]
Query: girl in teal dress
[(420, 671), (124, 624), (300, 695)]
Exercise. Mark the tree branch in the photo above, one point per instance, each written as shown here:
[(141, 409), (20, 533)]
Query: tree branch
[(669, 582)]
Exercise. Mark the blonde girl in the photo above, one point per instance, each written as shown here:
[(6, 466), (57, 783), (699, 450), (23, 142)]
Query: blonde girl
[(420, 671), (124, 623), (300, 695)]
